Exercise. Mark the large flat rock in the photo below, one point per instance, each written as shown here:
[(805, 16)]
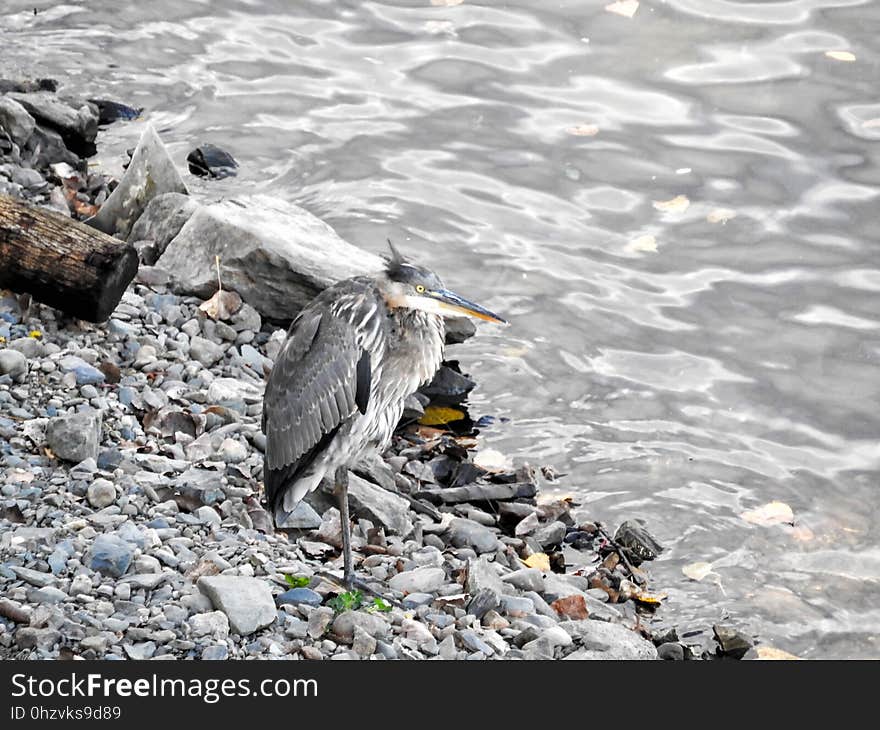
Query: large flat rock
[(276, 255), (247, 602)]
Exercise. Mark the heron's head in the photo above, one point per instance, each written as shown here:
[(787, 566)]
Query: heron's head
[(414, 287)]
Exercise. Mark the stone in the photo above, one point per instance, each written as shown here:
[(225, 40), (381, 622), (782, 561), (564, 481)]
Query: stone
[(34, 577), (141, 650), (30, 638), (49, 594), (247, 602), (603, 640), (363, 644), (215, 652), (671, 651), (15, 121), (75, 437), (303, 517), (420, 580), (14, 364), (379, 505), (101, 493), (73, 120), (214, 624), (731, 642), (470, 641), (526, 579), (205, 351), (467, 533), (150, 173), (296, 596), (550, 535), (277, 256), (110, 555), (481, 573), (484, 600), (160, 222), (344, 624), (208, 515), (319, 621)]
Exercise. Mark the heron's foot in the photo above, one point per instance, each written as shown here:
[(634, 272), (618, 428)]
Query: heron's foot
[(352, 582)]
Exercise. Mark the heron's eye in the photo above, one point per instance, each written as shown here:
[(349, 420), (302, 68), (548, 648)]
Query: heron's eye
[(420, 289)]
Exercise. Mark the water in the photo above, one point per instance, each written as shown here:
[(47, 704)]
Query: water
[(734, 365)]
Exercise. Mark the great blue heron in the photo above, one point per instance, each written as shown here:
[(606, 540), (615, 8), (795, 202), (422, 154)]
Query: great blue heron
[(336, 393)]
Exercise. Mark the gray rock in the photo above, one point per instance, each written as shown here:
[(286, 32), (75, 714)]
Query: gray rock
[(420, 580), (467, 533), (15, 121), (205, 351), (161, 221), (319, 621), (484, 600), (345, 623), (526, 579), (379, 506), (470, 641), (275, 255), (603, 640), (30, 638), (101, 493), (141, 650), (213, 624), (414, 600), (483, 574), (215, 652), (34, 577), (303, 517), (30, 347), (150, 173), (49, 594), (68, 117), (14, 364), (671, 651), (552, 534), (75, 437), (363, 644), (247, 602), (296, 596), (110, 555)]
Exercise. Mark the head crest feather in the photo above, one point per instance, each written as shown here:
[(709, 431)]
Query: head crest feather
[(395, 261)]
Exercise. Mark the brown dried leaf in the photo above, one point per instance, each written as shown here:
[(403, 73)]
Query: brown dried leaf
[(772, 653), (642, 244), (541, 561), (678, 204), (773, 513), (697, 571), (222, 305), (720, 215)]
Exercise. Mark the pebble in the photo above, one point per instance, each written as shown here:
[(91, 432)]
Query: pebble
[(247, 602), (101, 493), (13, 364), (420, 580)]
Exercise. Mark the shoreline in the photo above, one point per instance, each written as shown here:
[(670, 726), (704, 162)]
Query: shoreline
[(130, 523)]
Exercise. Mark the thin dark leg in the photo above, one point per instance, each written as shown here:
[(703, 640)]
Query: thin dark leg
[(342, 493)]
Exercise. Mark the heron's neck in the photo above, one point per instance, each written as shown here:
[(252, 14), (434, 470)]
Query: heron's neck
[(419, 339)]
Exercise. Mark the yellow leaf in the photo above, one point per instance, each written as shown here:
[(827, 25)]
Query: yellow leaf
[(439, 415), (771, 652), (36, 334), (583, 130), (841, 56), (650, 599), (679, 204), (626, 8), (720, 215), (642, 244), (773, 513), (697, 571), (541, 561)]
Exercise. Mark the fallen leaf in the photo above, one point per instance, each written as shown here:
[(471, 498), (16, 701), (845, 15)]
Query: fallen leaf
[(841, 56), (541, 561), (720, 215), (871, 123), (573, 607), (222, 305), (697, 571), (678, 204), (649, 599), (491, 460), (439, 415), (642, 244), (583, 130), (446, 3), (771, 652), (773, 513), (802, 533), (626, 8), (35, 334)]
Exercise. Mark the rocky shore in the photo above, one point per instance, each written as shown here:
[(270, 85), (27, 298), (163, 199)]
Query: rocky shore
[(131, 525)]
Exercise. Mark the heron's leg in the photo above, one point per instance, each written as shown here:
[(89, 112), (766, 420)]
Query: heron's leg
[(342, 493)]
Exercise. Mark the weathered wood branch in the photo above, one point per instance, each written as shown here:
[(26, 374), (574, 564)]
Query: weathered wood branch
[(62, 263)]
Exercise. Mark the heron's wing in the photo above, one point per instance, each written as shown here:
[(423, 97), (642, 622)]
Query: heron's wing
[(322, 377)]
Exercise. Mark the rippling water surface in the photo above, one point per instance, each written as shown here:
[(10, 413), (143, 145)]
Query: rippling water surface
[(684, 362)]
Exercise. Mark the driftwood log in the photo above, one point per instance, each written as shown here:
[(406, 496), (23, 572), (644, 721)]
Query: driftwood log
[(62, 263)]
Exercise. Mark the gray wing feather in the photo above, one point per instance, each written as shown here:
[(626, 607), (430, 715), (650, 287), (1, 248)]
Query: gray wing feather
[(316, 384)]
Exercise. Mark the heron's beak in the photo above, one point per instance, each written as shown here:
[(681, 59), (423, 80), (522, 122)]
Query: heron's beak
[(452, 303)]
